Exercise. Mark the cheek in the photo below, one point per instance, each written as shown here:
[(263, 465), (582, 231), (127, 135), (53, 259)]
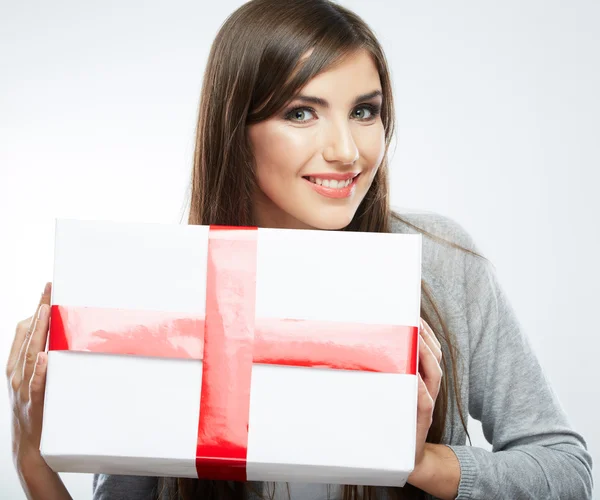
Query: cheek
[(280, 151), (371, 144)]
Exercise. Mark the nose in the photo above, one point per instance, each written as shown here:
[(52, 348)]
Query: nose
[(340, 146)]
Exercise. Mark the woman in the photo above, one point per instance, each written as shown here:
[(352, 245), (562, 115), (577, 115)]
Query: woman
[(295, 121)]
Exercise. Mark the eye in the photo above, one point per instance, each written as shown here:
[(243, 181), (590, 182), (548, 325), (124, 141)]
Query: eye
[(300, 115), (365, 112)]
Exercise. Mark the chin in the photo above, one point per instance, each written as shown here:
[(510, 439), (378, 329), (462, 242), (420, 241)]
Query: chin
[(329, 221)]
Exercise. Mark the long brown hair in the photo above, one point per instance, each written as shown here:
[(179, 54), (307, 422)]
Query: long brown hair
[(255, 68)]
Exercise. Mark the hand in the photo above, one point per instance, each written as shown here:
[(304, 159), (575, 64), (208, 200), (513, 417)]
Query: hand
[(26, 373), (430, 378)]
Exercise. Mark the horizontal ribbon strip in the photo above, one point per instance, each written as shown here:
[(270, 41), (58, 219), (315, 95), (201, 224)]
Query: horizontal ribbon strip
[(291, 342)]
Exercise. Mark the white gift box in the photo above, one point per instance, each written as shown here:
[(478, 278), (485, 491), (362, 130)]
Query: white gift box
[(160, 363)]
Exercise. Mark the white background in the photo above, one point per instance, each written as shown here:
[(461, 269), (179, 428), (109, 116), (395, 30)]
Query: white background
[(498, 111)]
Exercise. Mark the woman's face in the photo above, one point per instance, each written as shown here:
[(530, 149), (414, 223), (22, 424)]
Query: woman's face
[(316, 160)]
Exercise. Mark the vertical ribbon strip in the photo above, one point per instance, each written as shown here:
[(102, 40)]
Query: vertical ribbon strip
[(227, 366)]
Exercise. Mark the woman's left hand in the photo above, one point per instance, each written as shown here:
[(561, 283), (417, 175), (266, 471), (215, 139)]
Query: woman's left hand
[(430, 378)]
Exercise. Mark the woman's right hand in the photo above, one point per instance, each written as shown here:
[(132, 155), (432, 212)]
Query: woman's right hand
[(26, 373)]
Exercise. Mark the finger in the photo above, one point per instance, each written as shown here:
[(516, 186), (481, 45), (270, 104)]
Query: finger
[(427, 333), (37, 384), (429, 368), (24, 330), (425, 406), (429, 330), (21, 332), (437, 352), (37, 343), (45, 298)]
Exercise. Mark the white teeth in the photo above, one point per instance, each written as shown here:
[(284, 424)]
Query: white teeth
[(331, 183)]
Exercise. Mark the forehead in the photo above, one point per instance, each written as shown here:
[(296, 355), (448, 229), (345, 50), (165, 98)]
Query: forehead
[(353, 75)]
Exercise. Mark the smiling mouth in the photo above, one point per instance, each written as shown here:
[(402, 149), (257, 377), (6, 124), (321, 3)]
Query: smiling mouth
[(342, 187), (332, 183)]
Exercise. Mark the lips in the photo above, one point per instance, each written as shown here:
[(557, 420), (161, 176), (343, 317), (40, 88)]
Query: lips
[(333, 185)]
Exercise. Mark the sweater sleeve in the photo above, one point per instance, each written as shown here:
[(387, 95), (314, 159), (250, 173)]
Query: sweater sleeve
[(535, 452)]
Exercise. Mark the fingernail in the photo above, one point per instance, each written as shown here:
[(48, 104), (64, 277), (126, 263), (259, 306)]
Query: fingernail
[(47, 288), (43, 312)]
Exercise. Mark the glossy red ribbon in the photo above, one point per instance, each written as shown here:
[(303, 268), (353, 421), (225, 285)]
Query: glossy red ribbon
[(229, 340)]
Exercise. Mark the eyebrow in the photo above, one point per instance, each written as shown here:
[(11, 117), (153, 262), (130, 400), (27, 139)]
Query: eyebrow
[(323, 103)]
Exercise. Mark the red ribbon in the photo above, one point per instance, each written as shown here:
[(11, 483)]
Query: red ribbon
[(229, 340)]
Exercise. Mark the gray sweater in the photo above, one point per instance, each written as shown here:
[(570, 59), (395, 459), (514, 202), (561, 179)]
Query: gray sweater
[(535, 452)]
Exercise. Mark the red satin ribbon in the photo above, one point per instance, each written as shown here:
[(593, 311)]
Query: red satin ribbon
[(290, 342), (229, 340)]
